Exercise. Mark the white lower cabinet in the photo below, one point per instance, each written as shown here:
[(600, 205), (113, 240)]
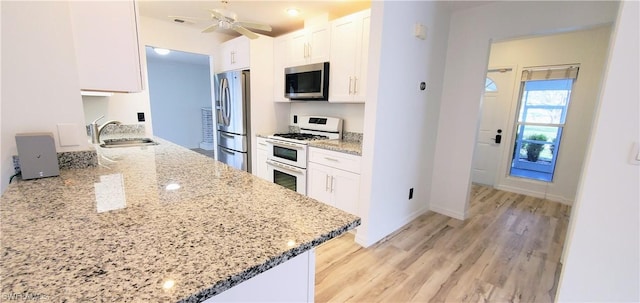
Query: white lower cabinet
[(261, 159), (334, 178)]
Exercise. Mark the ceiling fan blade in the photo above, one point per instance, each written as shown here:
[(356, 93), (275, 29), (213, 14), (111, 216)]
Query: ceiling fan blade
[(244, 31), (217, 14), (210, 28), (258, 26)]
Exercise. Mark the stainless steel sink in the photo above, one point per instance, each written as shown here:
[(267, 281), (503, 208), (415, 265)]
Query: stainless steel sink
[(128, 142)]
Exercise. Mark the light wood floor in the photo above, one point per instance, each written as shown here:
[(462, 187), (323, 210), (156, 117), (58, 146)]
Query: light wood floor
[(507, 251)]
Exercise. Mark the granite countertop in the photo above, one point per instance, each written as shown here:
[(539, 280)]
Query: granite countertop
[(349, 147), (147, 215)]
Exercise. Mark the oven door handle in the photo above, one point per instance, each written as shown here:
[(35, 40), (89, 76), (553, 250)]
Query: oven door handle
[(285, 167), (284, 144)]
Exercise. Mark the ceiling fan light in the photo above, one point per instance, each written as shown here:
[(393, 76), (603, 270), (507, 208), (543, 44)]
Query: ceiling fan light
[(292, 12), (161, 51)]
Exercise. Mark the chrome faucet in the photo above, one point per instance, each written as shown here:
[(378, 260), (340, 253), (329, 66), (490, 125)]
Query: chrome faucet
[(97, 130)]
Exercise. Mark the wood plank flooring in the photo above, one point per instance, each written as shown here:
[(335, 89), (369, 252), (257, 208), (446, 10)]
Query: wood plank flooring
[(507, 251)]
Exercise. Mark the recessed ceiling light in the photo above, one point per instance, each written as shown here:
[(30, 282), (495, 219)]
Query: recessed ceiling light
[(293, 12), (161, 51)]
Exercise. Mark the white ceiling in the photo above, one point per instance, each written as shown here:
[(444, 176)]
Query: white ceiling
[(266, 11), (270, 12)]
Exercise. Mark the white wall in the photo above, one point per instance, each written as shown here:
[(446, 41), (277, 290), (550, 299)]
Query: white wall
[(40, 81), (587, 48), (400, 120), (471, 33), (352, 114), (602, 249), (178, 91)]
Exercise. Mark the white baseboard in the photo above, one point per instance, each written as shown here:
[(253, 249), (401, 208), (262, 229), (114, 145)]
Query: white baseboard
[(363, 240), (448, 212), (537, 194)]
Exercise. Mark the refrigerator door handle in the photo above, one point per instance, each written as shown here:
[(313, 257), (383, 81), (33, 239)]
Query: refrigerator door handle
[(227, 109)]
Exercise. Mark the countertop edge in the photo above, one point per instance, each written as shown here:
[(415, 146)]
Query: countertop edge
[(273, 262)]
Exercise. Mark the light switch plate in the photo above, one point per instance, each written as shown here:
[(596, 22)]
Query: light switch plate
[(68, 134)]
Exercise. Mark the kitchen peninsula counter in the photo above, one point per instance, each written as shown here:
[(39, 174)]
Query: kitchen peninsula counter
[(152, 224)]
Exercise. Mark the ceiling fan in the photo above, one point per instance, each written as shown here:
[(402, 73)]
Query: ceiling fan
[(225, 19)]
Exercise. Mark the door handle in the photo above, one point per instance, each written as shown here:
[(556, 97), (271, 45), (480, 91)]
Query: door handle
[(498, 137)]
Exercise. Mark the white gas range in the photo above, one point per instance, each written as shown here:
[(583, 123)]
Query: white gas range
[(287, 153)]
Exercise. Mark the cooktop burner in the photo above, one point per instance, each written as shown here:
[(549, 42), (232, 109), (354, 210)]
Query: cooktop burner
[(302, 136)]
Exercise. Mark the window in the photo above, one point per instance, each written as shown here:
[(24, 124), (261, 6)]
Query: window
[(544, 102), (490, 86)]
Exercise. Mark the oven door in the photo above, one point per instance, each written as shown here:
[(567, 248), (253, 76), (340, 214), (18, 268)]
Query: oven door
[(287, 153), (291, 177)]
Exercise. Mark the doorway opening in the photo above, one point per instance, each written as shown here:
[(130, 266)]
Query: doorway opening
[(180, 98), (544, 101)]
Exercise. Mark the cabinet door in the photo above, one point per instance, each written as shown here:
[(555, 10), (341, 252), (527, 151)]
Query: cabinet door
[(280, 47), (298, 49), (319, 42), (345, 187), (234, 54), (343, 65), (225, 61), (241, 52), (318, 182), (106, 42), (362, 59)]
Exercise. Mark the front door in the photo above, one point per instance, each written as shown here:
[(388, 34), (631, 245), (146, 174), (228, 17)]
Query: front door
[(496, 105)]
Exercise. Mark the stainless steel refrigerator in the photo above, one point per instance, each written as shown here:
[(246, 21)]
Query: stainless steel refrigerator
[(232, 118)]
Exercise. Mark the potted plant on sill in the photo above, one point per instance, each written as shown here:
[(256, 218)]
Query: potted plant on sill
[(534, 149)]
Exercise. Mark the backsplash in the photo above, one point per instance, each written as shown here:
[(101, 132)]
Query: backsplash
[(112, 129), (352, 137), (346, 136), (69, 160)]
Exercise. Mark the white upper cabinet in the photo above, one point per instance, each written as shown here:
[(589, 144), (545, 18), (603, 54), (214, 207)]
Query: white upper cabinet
[(106, 43), (234, 54), (307, 46), (349, 58)]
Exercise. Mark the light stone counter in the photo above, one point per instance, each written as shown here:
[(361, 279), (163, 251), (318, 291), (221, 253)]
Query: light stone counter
[(118, 232), (349, 147)]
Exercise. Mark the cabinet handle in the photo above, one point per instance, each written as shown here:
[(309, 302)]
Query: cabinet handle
[(350, 80), (331, 159), (355, 85), (326, 183), (331, 185), (309, 50), (233, 57), (306, 50)]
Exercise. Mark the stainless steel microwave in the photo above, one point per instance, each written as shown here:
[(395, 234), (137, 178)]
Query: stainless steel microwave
[(307, 82)]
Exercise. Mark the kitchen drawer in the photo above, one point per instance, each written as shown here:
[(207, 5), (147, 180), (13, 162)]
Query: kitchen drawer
[(262, 144), (334, 159)]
